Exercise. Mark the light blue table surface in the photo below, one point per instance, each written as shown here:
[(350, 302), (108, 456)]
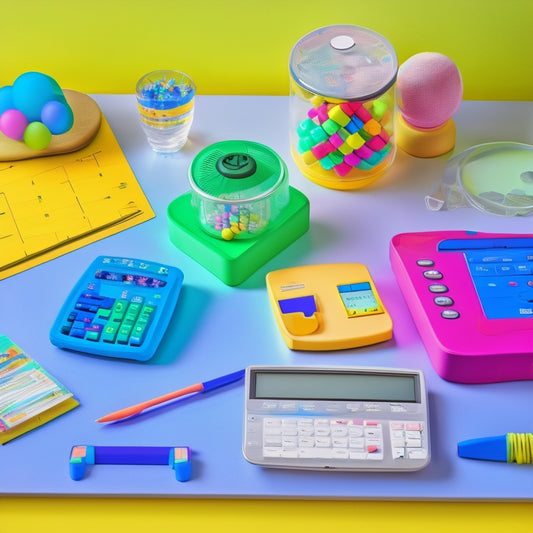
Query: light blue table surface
[(217, 329)]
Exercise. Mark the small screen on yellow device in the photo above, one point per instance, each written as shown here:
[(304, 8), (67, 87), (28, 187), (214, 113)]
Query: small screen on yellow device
[(359, 299)]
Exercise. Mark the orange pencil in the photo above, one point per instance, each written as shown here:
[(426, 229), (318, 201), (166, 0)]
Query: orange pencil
[(197, 387)]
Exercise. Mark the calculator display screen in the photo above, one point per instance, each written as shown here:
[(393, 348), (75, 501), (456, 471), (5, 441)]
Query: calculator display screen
[(359, 299), (345, 385)]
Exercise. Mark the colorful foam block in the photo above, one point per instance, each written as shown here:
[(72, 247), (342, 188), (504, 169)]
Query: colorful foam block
[(338, 115)]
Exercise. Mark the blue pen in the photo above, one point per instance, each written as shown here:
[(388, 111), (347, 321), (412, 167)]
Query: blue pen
[(511, 448), (197, 387)]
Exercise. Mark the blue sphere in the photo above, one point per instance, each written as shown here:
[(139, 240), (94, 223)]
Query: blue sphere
[(6, 98), (57, 117), (32, 90)]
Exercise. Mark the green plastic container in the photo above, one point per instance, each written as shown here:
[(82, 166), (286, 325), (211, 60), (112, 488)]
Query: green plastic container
[(239, 189)]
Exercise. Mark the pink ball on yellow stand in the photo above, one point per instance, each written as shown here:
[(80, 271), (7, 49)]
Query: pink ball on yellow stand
[(429, 90)]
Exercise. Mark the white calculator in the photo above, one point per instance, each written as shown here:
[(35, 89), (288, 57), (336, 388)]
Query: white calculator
[(342, 418)]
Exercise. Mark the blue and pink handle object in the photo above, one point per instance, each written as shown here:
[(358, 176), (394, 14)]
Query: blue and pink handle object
[(178, 458), (34, 109)]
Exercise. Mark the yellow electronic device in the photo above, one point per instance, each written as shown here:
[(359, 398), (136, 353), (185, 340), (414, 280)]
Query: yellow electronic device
[(328, 307)]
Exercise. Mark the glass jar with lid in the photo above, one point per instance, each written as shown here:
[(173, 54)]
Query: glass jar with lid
[(342, 106)]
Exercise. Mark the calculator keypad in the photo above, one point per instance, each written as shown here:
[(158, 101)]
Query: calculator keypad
[(119, 307), (112, 320), (339, 439)]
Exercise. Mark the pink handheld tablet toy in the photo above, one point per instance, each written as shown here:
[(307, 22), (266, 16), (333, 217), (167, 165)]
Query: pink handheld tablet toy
[(471, 298)]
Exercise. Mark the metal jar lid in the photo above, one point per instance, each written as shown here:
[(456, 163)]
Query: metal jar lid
[(344, 62)]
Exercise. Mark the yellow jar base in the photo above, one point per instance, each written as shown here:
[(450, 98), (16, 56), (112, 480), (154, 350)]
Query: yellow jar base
[(317, 174)]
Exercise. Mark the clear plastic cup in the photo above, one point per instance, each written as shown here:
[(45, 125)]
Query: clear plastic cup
[(165, 99)]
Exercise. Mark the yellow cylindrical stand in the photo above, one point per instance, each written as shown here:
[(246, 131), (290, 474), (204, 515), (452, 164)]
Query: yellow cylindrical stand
[(421, 142)]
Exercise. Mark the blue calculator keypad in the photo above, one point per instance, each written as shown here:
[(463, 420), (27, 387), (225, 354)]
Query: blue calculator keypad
[(120, 307)]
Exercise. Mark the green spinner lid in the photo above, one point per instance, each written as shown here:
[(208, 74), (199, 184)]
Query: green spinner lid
[(237, 171)]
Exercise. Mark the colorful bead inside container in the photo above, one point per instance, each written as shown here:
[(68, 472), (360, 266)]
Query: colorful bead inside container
[(238, 189), (342, 106)]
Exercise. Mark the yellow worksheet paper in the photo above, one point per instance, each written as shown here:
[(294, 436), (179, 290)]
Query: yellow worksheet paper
[(52, 205)]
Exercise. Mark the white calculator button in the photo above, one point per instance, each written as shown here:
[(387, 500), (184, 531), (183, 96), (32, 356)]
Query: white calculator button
[(398, 443), (358, 456), (306, 442), (323, 442), (289, 442), (315, 453), (373, 433), (289, 453), (289, 430), (438, 288), (450, 314), (306, 431), (340, 453), (355, 431), (272, 431), (271, 452), (289, 421), (417, 454), (376, 456), (339, 431), (413, 443), (322, 431), (270, 441), (432, 274), (339, 442), (356, 443), (398, 452), (270, 422)]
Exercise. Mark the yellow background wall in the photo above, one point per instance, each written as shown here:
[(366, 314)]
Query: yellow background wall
[(242, 47)]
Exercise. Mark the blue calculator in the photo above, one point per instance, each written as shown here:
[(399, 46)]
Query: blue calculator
[(120, 307)]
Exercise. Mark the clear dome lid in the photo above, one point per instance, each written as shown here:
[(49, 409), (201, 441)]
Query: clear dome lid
[(496, 178), (236, 171), (344, 62)]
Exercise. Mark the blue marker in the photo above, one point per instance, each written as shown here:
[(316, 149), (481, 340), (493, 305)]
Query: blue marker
[(510, 448)]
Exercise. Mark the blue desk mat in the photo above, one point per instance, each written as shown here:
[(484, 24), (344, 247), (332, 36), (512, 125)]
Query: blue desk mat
[(218, 329)]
